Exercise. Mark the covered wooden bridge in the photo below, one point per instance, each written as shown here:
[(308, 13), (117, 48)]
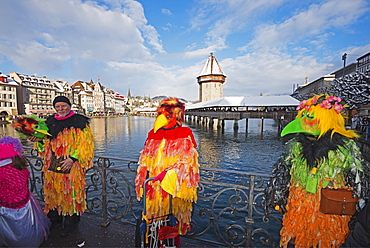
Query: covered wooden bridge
[(216, 111)]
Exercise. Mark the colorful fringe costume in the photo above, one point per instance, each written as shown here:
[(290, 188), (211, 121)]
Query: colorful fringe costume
[(171, 157), (321, 154), (71, 137), (303, 219)]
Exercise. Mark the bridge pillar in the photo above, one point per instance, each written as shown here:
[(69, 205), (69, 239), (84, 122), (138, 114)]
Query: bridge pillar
[(210, 123), (246, 125), (263, 121), (220, 124), (236, 125)]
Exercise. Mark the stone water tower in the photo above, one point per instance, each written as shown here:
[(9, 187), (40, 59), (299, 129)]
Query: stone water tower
[(211, 80)]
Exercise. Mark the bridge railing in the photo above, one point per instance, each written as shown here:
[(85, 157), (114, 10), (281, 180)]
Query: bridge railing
[(228, 211)]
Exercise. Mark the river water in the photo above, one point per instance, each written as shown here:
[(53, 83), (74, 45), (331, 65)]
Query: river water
[(253, 151)]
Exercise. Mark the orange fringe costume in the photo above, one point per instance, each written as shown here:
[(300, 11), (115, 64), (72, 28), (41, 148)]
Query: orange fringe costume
[(308, 225), (303, 222), (169, 149), (66, 192)]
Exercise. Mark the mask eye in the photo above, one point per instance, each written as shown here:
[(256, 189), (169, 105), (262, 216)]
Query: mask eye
[(308, 115)]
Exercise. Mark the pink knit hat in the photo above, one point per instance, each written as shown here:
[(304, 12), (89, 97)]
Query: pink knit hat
[(10, 147)]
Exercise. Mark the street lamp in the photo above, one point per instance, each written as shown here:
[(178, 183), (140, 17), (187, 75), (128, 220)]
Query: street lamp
[(344, 57)]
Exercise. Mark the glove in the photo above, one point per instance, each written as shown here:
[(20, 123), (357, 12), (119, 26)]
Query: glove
[(160, 176)]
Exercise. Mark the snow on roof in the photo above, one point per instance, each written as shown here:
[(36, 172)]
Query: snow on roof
[(249, 101), (211, 67), (146, 109), (10, 81)]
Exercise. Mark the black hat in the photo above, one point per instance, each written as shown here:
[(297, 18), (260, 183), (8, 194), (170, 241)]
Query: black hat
[(61, 99)]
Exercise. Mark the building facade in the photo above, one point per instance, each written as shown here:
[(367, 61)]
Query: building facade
[(24, 94), (318, 86), (35, 94), (363, 63), (8, 97)]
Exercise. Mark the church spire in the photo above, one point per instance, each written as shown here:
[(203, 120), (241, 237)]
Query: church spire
[(129, 93)]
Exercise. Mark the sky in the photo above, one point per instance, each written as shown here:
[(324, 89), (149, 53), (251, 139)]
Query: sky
[(159, 47)]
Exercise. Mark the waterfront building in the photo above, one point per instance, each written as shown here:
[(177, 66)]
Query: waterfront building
[(35, 94), (348, 70), (363, 63), (24, 94), (63, 89), (108, 97), (98, 96), (8, 96), (317, 87), (119, 103), (83, 95), (211, 80)]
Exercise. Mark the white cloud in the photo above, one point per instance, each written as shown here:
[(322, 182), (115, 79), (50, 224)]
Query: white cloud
[(166, 11), (268, 73), (317, 20), (86, 31)]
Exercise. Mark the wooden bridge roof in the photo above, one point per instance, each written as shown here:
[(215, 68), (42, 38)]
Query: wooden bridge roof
[(248, 101)]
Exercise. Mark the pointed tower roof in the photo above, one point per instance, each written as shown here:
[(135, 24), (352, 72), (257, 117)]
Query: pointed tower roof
[(129, 93), (211, 67)]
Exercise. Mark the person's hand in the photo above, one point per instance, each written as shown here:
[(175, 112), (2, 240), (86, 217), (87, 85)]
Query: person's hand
[(33, 139), (66, 164)]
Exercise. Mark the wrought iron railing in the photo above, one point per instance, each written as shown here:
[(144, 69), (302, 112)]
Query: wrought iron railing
[(228, 211)]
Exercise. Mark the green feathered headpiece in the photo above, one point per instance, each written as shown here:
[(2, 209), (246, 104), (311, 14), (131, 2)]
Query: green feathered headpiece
[(30, 125)]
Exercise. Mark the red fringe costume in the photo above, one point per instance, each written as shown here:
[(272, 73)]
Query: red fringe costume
[(164, 150)]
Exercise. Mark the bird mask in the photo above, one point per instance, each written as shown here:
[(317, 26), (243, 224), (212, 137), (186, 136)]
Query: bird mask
[(318, 115), (30, 126), (170, 114)]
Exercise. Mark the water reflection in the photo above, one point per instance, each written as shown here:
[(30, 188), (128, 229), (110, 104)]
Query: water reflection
[(253, 151), (121, 136)]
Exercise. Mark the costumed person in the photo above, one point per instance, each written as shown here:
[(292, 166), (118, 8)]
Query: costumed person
[(22, 221), (68, 152), (171, 157), (320, 154)]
